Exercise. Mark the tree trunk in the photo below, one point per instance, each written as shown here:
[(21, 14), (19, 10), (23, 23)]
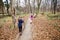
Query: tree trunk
[(38, 3), (33, 6), (53, 6), (2, 7), (7, 7), (26, 6), (29, 5), (13, 14)]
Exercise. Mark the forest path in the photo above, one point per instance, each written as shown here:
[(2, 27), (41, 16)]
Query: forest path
[(27, 33)]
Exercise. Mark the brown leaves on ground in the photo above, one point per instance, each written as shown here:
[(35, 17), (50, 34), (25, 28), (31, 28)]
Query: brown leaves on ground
[(6, 33), (44, 30), (9, 34)]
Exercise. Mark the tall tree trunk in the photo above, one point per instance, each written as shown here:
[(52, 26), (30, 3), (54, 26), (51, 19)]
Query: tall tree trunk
[(54, 5), (7, 7), (51, 6), (33, 6), (2, 6), (38, 3), (17, 4), (13, 14), (30, 9), (26, 6)]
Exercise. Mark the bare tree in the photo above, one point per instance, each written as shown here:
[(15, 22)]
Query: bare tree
[(38, 4), (2, 6), (26, 6), (53, 6), (33, 6), (13, 14), (29, 5), (18, 1), (58, 5), (11, 4), (7, 7)]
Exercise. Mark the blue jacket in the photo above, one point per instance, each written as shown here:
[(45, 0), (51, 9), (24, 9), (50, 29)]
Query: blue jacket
[(20, 21)]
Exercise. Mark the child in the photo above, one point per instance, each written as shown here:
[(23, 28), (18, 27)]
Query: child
[(20, 22), (31, 18)]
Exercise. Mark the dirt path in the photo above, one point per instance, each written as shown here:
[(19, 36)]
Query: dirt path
[(27, 33)]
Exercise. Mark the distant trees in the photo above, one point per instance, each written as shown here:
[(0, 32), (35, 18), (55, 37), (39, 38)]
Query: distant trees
[(25, 6), (38, 4), (31, 8), (58, 5), (47, 5), (18, 3), (54, 5), (1, 7), (7, 5)]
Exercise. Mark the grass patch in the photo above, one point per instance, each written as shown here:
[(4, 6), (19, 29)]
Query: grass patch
[(56, 16), (4, 20), (8, 19), (53, 16), (22, 15), (11, 26)]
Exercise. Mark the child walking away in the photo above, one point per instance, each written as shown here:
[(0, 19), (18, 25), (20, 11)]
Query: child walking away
[(20, 22), (31, 18)]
